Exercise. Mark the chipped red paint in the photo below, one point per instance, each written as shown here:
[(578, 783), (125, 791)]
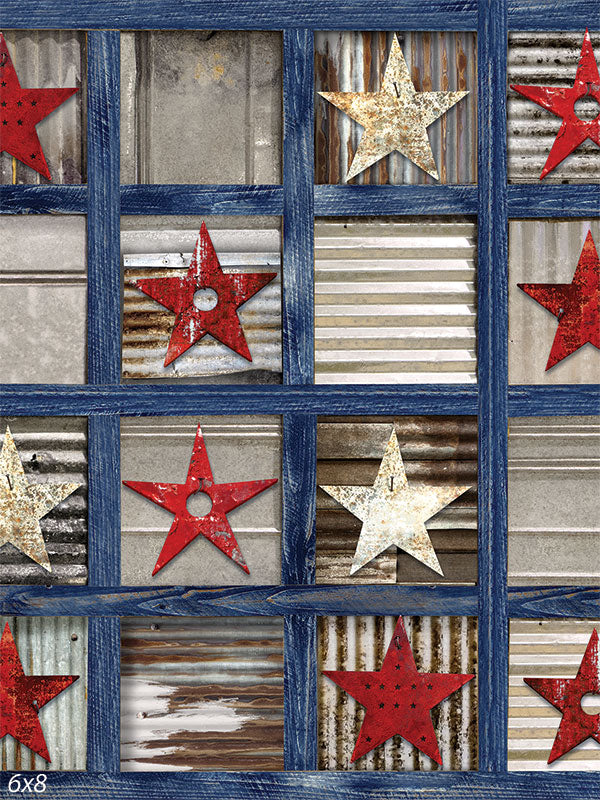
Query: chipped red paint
[(561, 102), (214, 525), (21, 110), (576, 304), (222, 321), (565, 694)]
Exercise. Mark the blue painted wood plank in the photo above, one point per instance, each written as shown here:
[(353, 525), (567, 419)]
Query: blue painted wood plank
[(182, 199), (103, 734), (104, 501), (561, 200), (346, 200), (43, 199), (300, 688), (541, 401), (552, 15)]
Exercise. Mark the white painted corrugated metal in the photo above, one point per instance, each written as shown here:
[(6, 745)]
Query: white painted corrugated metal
[(544, 649), (395, 302), (554, 501)]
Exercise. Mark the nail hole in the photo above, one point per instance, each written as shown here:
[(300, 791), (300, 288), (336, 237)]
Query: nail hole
[(586, 108), (199, 504), (590, 703), (205, 299)]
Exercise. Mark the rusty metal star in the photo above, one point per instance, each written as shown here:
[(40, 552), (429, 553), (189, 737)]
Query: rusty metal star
[(22, 504), (395, 118), (394, 513)]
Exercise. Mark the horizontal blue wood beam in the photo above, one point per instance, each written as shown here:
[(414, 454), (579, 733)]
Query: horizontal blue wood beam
[(197, 199), (541, 401), (55, 199), (551, 200), (346, 200)]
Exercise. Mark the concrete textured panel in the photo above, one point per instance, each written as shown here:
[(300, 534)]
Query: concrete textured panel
[(239, 449), (201, 107), (43, 283), (554, 501)]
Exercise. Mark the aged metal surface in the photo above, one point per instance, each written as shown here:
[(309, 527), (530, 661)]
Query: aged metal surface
[(53, 646), (554, 501), (53, 451), (544, 251), (201, 694), (544, 59), (201, 110), (436, 451), (147, 326), (240, 449), (395, 302), (439, 644), (545, 649), (355, 62), (42, 299), (49, 59)]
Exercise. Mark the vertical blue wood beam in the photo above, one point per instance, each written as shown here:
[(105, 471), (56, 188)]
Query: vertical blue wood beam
[(493, 386), (103, 722)]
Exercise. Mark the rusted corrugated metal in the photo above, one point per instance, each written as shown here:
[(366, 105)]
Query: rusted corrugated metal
[(435, 450), (355, 62), (544, 59), (53, 646), (544, 649), (554, 501), (45, 60), (201, 693), (53, 450), (147, 326), (545, 251), (240, 448), (439, 644)]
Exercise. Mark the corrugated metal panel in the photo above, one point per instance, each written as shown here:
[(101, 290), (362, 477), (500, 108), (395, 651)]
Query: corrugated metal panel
[(355, 62), (240, 449), (201, 107), (554, 501), (48, 60), (434, 450), (395, 302), (52, 450), (545, 251), (544, 649), (147, 326), (43, 287), (439, 644), (53, 646), (201, 694), (544, 59)]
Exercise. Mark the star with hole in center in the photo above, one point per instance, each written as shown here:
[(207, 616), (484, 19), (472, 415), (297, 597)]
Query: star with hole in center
[(222, 321), (561, 102), (397, 698), (21, 110), (394, 118), (22, 696), (565, 694), (214, 525), (394, 513), (576, 304)]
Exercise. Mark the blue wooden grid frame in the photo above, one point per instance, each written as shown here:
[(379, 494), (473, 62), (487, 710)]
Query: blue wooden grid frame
[(103, 400)]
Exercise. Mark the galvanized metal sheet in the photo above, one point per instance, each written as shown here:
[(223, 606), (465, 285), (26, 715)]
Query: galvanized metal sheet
[(553, 501), (544, 59), (239, 448), (435, 450), (52, 450), (548, 649), (53, 646), (201, 107), (44, 60), (354, 62), (395, 302), (147, 326), (201, 694), (544, 251), (439, 644)]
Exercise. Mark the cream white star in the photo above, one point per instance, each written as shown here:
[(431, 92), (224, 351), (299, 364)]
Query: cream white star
[(394, 513), (395, 118), (22, 504)]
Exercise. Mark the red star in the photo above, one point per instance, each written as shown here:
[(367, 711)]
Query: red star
[(22, 696), (398, 699), (576, 304), (214, 525), (565, 694), (222, 321), (573, 131), (21, 110)]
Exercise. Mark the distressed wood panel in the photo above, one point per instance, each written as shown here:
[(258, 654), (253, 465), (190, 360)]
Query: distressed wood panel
[(201, 694)]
